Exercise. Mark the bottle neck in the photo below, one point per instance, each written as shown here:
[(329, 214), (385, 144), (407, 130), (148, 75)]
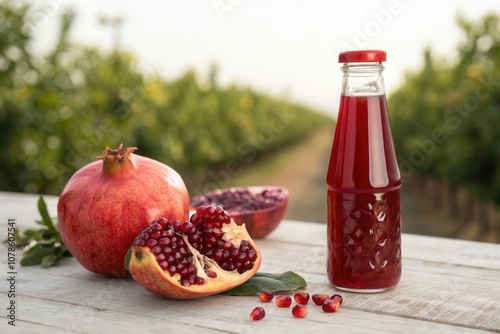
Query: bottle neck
[(362, 79)]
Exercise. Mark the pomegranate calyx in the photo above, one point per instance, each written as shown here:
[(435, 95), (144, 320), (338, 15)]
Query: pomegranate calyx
[(117, 160)]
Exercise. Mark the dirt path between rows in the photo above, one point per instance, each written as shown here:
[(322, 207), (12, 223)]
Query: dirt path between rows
[(302, 170)]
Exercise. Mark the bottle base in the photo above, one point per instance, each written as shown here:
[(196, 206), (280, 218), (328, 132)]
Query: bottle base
[(363, 290)]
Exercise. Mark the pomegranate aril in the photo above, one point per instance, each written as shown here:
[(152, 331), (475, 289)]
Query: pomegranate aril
[(191, 269), (257, 313), (266, 296), (211, 240), (330, 306), (181, 242), (172, 270), (156, 226), (168, 233), (187, 227), (211, 274), (338, 298), (176, 224), (156, 234), (156, 250), (151, 243), (227, 245), (252, 255), (301, 297), (319, 298), (164, 241), (184, 272), (217, 255), (299, 311), (164, 265), (218, 232), (248, 265), (283, 301)]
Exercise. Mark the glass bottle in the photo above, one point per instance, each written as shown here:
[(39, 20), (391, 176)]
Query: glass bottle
[(363, 182)]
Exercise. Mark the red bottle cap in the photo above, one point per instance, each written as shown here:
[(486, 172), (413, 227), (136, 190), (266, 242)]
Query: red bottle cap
[(362, 56)]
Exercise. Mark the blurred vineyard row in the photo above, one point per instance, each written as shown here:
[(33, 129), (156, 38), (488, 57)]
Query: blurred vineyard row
[(59, 111), (446, 116)]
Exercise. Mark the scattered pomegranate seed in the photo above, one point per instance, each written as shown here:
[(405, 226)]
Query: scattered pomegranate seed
[(301, 297), (266, 296), (319, 298), (337, 298), (330, 305), (257, 313), (299, 311), (283, 301)]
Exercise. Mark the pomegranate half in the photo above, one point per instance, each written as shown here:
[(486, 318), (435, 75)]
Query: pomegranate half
[(203, 256), (260, 208), (107, 203)]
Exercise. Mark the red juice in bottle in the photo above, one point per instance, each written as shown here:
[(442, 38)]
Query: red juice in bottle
[(363, 183)]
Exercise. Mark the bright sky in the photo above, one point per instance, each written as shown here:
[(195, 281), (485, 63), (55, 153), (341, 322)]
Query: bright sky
[(276, 46)]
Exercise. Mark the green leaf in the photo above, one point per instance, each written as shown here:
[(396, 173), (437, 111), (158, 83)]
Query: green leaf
[(49, 260), (287, 281), (46, 220), (35, 255)]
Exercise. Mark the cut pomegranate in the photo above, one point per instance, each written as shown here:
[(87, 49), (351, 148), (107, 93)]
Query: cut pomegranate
[(299, 311), (330, 305), (257, 313), (260, 208), (206, 255), (266, 296), (301, 297), (283, 301), (337, 298), (319, 298)]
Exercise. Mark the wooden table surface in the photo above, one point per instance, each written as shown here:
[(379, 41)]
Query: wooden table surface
[(448, 286)]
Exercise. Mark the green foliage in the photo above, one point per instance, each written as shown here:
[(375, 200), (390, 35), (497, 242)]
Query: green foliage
[(57, 113), (284, 282), (43, 246), (446, 116)]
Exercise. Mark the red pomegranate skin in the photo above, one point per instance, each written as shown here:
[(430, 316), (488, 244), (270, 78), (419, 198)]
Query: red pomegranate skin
[(104, 206)]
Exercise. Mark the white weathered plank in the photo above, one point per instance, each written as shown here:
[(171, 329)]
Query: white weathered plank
[(447, 286)]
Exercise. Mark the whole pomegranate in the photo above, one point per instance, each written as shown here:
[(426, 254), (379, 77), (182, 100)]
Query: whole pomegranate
[(203, 256), (107, 203)]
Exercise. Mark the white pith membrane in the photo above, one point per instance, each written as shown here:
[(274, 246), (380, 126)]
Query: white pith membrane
[(203, 263)]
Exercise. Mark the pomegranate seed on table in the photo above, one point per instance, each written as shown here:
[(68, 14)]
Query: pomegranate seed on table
[(319, 298), (301, 297), (330, 305), (257, 313), (338, 298), (283, 301), (299, 311), (266, 296)]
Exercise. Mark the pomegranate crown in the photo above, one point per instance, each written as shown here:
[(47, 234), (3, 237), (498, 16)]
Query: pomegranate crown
[(119, 159)]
